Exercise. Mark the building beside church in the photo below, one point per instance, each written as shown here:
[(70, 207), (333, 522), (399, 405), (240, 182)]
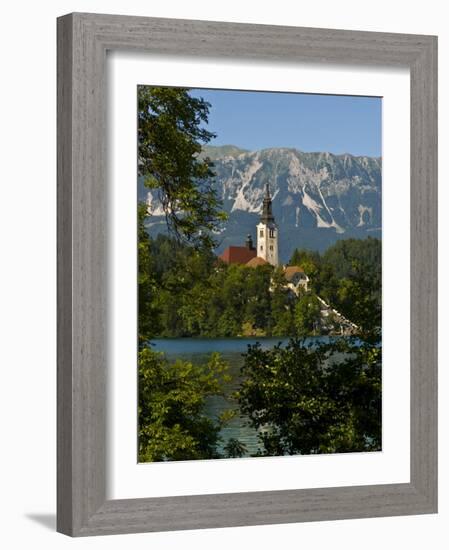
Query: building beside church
[(297, 280), (266, 250)]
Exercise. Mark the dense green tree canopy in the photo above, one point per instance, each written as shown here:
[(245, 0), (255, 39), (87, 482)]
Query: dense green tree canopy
[(147, 283), (322, 399), (307, 315), (171, 133), (172, 422), (191, 293), (348, 276)]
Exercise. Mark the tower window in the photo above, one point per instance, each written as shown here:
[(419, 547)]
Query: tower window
[(271, 247), (261, 247), (271, 232), (261, 233)]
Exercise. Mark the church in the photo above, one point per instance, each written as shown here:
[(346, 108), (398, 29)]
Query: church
[(266, 250)]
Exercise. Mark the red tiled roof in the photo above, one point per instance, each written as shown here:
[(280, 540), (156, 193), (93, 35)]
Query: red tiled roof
[(237, 255), (291, 270), (254, 262)]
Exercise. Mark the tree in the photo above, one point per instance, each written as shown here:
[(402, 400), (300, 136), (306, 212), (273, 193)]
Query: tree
[(170, 139), (350, 278), (257, 295), (281, 316), (234, 448), (149, 314), (307, 315), (172, 421), (309, 260), (322, 399)]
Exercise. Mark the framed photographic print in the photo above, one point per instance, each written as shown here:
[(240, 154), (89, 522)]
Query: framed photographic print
[(246, 274)]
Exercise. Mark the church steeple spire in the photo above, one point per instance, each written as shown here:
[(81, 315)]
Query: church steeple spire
[(267, 212)]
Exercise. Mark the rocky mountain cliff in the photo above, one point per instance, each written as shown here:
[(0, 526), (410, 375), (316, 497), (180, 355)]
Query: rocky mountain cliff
[(318, 198)]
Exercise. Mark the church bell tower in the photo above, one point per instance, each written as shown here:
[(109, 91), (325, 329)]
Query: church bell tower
[(267, 232)]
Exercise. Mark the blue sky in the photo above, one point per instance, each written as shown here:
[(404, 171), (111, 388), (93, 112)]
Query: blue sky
[(257, 120)]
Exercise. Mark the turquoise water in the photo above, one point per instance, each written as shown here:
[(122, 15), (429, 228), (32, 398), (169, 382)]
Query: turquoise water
[(200, 346), (198, 350)]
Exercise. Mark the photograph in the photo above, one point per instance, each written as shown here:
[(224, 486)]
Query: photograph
[(230, 278), (259, 239)]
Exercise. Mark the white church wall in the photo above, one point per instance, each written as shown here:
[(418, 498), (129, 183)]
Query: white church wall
[(267, 247)]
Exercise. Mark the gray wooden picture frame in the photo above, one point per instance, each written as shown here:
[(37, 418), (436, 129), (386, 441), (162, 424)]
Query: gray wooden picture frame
[(83, 40)]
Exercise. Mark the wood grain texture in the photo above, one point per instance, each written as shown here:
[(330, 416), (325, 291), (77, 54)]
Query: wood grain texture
[(64, 277), (423, 274), (83, 40)]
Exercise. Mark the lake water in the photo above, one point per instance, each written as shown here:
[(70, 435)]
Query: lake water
[(198, 350)]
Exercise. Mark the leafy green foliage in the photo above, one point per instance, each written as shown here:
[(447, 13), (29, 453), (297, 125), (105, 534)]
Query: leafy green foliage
[(149, 323), (307, 400), (197, 295), (172, 421), (191, 293), (307, 315), (350, 278), (282, 306), (309, 260), (171, 133), (234, 448)]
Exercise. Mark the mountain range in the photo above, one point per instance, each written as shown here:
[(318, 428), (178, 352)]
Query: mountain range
[(318, 198)]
